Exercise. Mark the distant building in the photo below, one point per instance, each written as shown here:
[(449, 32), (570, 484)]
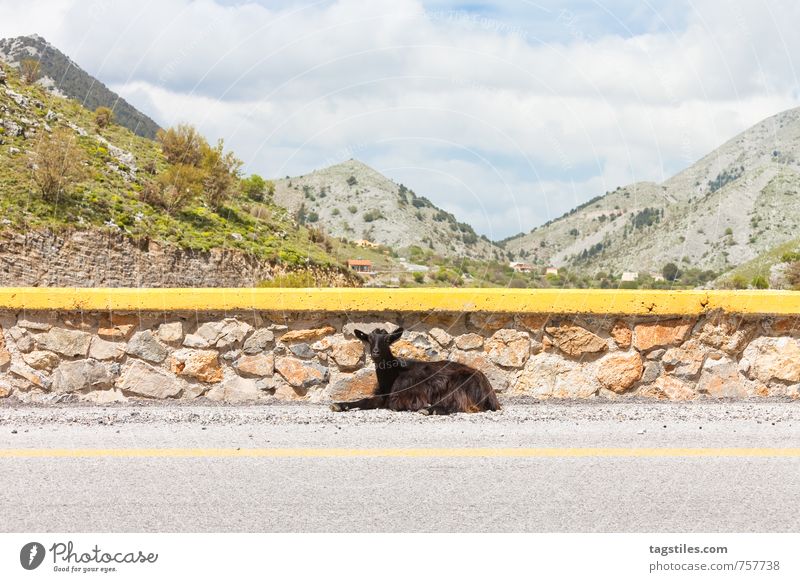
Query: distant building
[(656, 276), (521, 267), (360, 265), (366, 244), (551, 271), (628, 276)]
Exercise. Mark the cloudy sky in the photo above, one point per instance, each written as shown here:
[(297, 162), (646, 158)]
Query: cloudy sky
[(506, 113)]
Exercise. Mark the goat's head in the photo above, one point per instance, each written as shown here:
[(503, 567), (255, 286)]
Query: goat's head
[(378, 341)]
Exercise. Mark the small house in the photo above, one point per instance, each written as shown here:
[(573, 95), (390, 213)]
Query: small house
[(360, 265), (551, 271), (629, 276), (521, 267)]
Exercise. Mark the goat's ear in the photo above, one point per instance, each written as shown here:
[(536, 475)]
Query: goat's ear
[(395, 335), (361, 335)]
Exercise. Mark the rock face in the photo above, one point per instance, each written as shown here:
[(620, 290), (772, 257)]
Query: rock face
[(661, 334), (300, 374), (576, 341), (200, 364), (89, 258), (348, 355), (102, 357), (508, 348), (66, 342), (618, 372), (81, 375), (258, 365), (774, 359), (144, 345), (143, 379)]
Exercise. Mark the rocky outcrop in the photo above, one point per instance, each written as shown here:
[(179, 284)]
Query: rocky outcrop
[(100, 258)]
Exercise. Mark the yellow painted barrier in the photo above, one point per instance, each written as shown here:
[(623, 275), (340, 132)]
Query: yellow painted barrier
[(349, 300)]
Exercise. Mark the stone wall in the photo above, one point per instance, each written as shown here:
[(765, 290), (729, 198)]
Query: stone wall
[(98, 258), (262, 356)]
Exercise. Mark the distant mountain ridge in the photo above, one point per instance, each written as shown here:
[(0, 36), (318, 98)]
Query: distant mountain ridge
[(63, 76), (352, 200), (734, 204)]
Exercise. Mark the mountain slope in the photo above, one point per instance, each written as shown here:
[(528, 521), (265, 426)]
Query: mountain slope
[(62, 75), (735, 203), (109, 195), (353, 201)]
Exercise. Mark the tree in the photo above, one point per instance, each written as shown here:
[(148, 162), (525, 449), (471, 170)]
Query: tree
[(222, 170), (103, 117), (56, 163), (182, 145), (670, 271), (30, 71), (254, 187)]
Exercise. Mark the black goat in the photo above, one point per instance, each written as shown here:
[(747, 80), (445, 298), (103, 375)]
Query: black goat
[(427, 387)]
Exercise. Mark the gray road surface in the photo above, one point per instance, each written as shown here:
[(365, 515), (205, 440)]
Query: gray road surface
[(408, 493)]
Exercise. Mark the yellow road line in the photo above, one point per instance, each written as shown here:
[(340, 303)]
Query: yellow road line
[(599, 301), (403, 453)]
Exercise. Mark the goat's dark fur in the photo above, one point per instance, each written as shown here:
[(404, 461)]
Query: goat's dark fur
[(428, 387)]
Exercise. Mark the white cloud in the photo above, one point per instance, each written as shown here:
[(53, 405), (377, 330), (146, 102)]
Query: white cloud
[(475, 111)]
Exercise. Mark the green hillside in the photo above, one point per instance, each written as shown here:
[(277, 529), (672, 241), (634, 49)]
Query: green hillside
[(113, 189)]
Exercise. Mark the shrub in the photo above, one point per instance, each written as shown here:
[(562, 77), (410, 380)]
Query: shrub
[(670, 272), (57, 163), (372, 215), (221, 169), (182, 145), (351, 181), (30, 71), (419, 277), (312, 217), (760, 282), (255, 187), (335, 212), (103, 117), (352, 209), (177, 186)]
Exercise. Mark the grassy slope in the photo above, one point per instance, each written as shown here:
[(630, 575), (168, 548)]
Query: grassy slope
[(106, 199)]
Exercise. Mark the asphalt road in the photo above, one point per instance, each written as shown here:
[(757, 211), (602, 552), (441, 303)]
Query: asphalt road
[(538, 467)]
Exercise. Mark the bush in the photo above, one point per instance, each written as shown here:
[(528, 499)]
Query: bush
[(255, 187), (419, 277), (351, 181), (30, 71), (182, 145), (221, 182), (352, 209), (372, 215), (56, 163), (175, 187), (103, 117), (760, 282), (670, 272)]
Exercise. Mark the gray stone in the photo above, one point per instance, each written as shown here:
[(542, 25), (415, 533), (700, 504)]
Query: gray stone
[(237, 390), (171, 333), (259, 341), (101, 349), (144, 345), (443, 338), (37, 322), (81, 375), (302, 351), (145, 380), (22, 339), (68, 342)]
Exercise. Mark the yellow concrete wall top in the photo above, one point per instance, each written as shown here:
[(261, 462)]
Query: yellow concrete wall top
[(595, 301)]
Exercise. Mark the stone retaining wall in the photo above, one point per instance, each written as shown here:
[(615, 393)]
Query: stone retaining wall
[(260, 356)]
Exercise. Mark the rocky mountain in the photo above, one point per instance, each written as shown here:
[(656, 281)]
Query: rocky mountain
[(61, 75), (736, 203), (354, 201)]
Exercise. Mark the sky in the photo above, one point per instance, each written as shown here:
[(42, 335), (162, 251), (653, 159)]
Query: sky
[(505, 113)]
